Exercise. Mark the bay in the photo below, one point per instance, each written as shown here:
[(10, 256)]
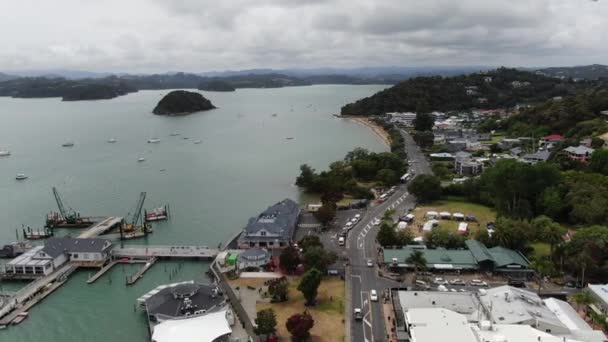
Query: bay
[(243, 164)]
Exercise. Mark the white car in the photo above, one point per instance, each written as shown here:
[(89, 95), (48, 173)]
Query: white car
[(358, 315), (440, 281), (373, 296), (358, 216), (349, 224), (477, 282), (376, 222), (442, 288), (370, 263)]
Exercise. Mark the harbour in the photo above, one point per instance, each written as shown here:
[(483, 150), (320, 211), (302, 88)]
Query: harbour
[(210, 192)]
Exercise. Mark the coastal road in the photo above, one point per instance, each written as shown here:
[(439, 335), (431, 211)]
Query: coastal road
[(361, 246)]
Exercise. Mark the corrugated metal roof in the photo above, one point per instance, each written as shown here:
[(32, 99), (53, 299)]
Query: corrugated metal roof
[(479, 250), (504, 256)]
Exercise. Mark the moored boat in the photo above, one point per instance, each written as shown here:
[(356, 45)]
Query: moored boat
[(20, 176), (141, 159), (5, 153), (153, 141), (111, 140), (157, 214), (67, 144)]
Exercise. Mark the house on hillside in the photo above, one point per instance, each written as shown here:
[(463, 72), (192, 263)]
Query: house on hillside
[(273, 228), (579, 153), (536, 157)]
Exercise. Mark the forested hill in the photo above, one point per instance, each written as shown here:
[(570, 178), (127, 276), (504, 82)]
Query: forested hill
[(500, 88), (574, 116), (590, 72)]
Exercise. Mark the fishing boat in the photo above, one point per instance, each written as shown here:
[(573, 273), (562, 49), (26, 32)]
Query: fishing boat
[(153, 141), (197, 141), (111, 140), (20, 176), (157, 214), (141, 159), (5, 153), (67, 144)]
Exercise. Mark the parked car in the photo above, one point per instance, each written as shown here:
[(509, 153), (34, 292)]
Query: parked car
[(358, 216), (442, 288), (341, 241), (517, 283), (373, 296), (358, 315), (370, 263), (477, 282), (439, 281), (422, 284), (458, 282), (376, 222), (349, 224)]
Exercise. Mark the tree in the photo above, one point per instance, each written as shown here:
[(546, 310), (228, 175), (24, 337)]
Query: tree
[(278, 289), (326, 213), (442, 237), (548, 231), (426, 188), (310, 241), (299, 326), (599, 162), (387, 177), (289, 259), (266, 322), (423, 122), (543, 267), (318, 258), (512, 234), (306, 177), (424, 138), (405, 237), (417, 260), (583, 298), (387, 236), (309, 285)]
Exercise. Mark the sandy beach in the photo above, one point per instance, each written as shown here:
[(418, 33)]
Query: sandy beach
[(377, 129)]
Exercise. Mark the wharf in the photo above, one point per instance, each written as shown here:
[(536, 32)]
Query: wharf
[(147, 252), (33, 293), (101, 227), (140, 273)]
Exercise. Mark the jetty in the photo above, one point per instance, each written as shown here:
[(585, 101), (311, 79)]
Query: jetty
[(140, 273), (146, 252), (102, 227)]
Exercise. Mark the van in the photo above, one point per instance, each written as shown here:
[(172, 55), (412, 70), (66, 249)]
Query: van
[(341, 241)]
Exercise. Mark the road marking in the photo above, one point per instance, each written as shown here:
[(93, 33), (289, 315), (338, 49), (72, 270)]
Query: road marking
[(356, 276)]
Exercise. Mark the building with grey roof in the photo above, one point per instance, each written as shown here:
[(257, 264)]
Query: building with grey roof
[(273, 228), (536, 157), (43, 260), (253, 258), (181, 300), (580, 153)]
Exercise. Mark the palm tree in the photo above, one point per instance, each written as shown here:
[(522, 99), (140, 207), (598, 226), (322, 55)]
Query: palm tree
[(543, 266), (417, 260), (583, 298)]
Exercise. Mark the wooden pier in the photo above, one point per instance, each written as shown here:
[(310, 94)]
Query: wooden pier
[(33, 293), (101, 227), (140, 273), (146, 252)]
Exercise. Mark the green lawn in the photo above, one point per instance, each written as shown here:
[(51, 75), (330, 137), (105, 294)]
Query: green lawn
[(496, 138), (541, 249), (457, 205)]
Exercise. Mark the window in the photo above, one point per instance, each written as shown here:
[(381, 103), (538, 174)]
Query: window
[(270, 243), (75, 255), (263, 233)]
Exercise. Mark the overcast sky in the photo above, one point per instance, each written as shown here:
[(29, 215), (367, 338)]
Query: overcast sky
[(205, 35)]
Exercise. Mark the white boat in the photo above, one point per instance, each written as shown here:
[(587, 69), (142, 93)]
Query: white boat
[(197, 141), (20, 176), (67, 144), (153, 141), (111, 140), (141, 159), (5, 153)]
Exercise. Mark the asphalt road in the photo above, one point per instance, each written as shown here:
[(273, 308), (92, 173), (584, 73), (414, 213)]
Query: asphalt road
[(361, 246)]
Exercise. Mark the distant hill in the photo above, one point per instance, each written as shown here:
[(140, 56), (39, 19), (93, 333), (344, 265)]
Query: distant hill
[(589, 72), (500, 88), (6, 77), (216, 85), (68, 90)]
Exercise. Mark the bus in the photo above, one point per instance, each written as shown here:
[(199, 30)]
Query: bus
[(405, 178)]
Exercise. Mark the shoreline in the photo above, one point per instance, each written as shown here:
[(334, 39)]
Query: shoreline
[(375, 128)]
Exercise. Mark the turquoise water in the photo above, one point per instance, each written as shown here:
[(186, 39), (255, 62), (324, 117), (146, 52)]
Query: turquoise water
[(243, 164)]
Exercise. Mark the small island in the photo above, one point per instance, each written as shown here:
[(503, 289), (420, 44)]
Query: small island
[(216, 85), (181, 102)]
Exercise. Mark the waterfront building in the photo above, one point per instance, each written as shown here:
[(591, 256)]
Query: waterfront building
[(253, 258), (57, 251), (273, 228)]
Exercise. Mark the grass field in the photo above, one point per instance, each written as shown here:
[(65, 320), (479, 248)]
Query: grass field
[(328, 313), (541, 249), (456, 205), (496, 138)]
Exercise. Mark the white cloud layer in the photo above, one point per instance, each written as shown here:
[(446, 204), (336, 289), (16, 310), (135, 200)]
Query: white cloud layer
[(204, 35)]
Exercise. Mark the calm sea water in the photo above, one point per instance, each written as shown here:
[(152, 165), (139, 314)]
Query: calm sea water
[(243, 164)]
